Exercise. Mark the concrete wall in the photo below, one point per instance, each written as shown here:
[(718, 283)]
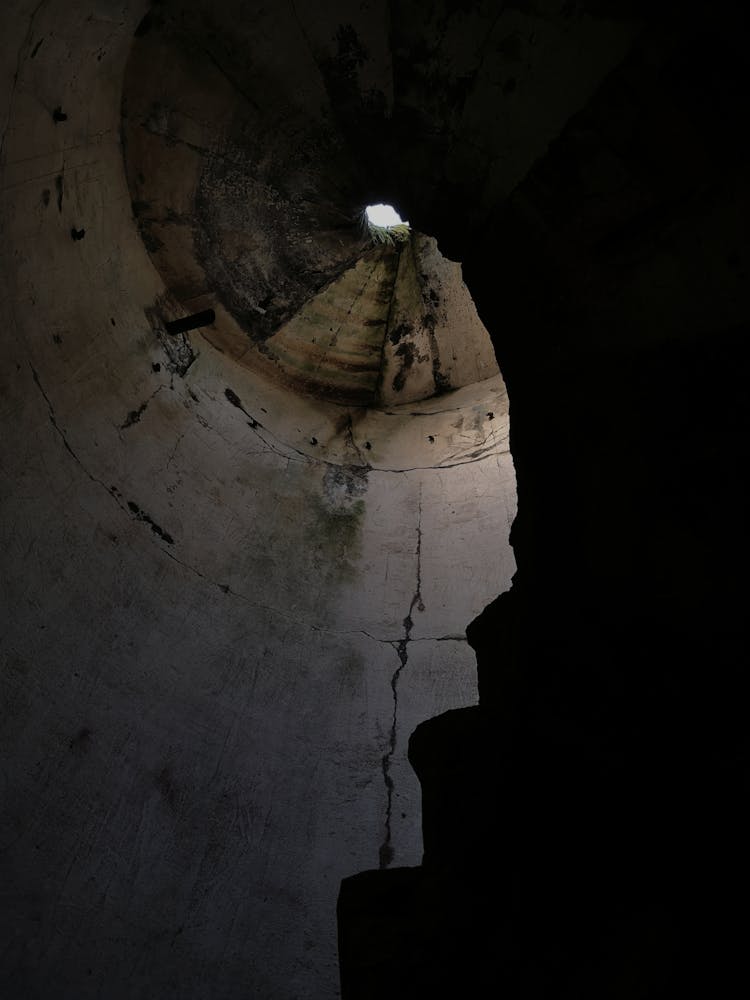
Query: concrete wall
[(208, 677)]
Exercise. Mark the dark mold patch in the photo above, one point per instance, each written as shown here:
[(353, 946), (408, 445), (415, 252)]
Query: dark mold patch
[(341, 71), (263, 290), (407, 353), (152, 243), (235, 400), (178, 218), (344, 483), (164, 783), (441, 380), (145, 26), (81, 742), (399, 332), (141, 515), (134, 416)]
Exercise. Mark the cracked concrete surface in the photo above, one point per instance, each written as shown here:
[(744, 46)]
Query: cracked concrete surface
[(402, 648), (204, 586)]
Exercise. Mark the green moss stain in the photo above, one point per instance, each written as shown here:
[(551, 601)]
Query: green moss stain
[(337, 518), (338, 541), (306, 546)]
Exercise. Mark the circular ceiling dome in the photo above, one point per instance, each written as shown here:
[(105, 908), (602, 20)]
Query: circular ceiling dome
[(261, 482), (249, 201)]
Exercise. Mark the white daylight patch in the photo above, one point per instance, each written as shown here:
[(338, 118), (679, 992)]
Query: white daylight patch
[(383, 216)]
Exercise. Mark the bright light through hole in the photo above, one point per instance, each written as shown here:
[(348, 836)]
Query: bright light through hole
[(384, 215)]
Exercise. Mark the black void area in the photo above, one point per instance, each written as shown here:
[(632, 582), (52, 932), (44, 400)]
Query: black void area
[(192, 322)]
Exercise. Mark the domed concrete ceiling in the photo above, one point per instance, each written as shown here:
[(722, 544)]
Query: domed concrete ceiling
[(250, 202), (241, 559), (240, 551)]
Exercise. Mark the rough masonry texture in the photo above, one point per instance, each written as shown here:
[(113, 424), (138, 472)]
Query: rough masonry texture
[(250, 568)]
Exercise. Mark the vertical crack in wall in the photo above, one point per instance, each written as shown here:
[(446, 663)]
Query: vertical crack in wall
[(353, 444), (386, 848)]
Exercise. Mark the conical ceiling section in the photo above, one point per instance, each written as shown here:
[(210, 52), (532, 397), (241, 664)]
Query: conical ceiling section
[(398, 327), (333, 347), (261, 224)]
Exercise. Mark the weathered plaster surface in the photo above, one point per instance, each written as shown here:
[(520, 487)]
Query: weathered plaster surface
[(208, 679)]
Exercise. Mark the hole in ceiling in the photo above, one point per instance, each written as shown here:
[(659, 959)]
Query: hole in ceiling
[(363, 313), (385, 225), (384, 215)]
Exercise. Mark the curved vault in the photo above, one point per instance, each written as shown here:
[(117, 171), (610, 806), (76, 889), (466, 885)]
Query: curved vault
[(242, 559)]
